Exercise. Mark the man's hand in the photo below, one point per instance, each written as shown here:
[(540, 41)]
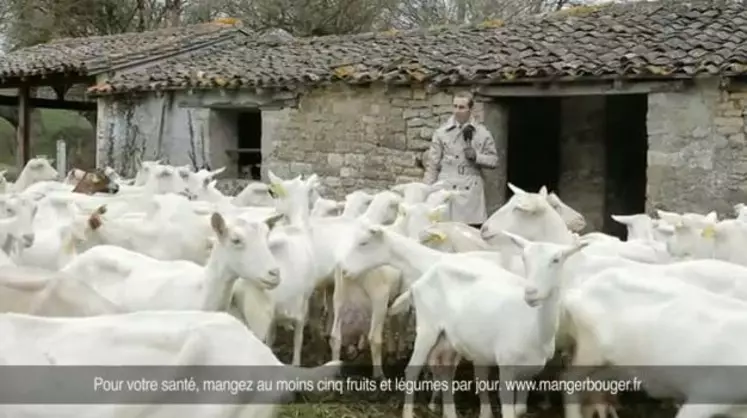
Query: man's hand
[(467, 132), (470, 154)]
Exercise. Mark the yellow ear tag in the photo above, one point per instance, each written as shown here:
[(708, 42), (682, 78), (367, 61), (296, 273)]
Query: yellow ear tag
[(278, 190), (708, 232), (434, 217), (435, 237)]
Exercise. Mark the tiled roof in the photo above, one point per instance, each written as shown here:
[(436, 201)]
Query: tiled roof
[(86, 56), (612, 41)]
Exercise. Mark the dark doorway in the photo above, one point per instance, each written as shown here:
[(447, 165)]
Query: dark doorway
[(250, 144), (533, 143), (626, 141)]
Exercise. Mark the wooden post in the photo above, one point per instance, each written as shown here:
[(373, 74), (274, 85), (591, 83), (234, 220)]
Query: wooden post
[(22, 132)]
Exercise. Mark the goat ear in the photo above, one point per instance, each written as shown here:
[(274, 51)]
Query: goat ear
[(519, 241), (712, 216), (516, 190), (576, 248), (672, 218), (543, 191), (218, 224), (273, 220), (436, 214), (273, 178)]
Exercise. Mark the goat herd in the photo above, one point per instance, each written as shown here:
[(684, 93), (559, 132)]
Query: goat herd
[(100, 270)]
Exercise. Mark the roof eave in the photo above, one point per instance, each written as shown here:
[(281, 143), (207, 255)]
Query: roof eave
[(95, 70)]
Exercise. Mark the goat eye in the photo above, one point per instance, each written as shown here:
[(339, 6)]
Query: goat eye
[(236, 241)]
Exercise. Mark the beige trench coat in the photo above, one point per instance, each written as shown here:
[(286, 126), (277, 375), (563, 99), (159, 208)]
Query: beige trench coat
[(445, 161)]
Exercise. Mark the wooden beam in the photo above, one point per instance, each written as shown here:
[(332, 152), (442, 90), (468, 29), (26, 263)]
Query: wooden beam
[(49, 80), (589, 89), (23, 151), (241, 99), (47, 103), (734, 84)]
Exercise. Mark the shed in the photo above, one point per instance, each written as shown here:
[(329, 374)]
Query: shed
[(620, 108)]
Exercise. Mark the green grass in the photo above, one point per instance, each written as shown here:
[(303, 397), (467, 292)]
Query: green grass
[(54, 123)]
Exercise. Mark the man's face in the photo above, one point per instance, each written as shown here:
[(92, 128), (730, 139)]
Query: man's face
[(461, 109)]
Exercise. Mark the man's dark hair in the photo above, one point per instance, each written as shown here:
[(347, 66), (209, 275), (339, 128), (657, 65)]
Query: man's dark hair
[(468, 96)]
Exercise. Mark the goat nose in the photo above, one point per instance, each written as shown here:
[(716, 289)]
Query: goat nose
[(531, 296), (28, 240), (272, 279)]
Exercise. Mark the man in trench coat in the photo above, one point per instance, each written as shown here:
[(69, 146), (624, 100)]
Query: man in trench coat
[(459, 149)]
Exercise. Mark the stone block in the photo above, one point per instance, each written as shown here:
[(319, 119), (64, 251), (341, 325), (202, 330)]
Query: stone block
[(728, 121), (415, 123), (335, 160), (426, 132), (402, 93), (418, 144), (399, 102), (347, 172), (394, 141), (355, 160), (731, 112), (726, 129), (411, 113), (297, 168), (737, 138), (332, 182)]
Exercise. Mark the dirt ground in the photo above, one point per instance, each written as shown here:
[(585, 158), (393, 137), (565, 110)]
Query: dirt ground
[(375, 404)]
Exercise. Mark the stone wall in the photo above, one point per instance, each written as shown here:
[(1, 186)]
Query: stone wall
[(356, 138), (582, 157), (697, 158), (135, 129)]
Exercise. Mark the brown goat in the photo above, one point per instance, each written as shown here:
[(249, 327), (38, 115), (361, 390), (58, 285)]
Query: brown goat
[(94, 221), (96, 181)]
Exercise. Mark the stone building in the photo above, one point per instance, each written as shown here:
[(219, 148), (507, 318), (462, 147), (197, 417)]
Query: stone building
[(619, 108)]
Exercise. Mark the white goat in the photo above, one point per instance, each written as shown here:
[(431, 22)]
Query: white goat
[(137, 282), (620, 316), (38, 169), (417, 192), (369, 246), (175, 339)]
